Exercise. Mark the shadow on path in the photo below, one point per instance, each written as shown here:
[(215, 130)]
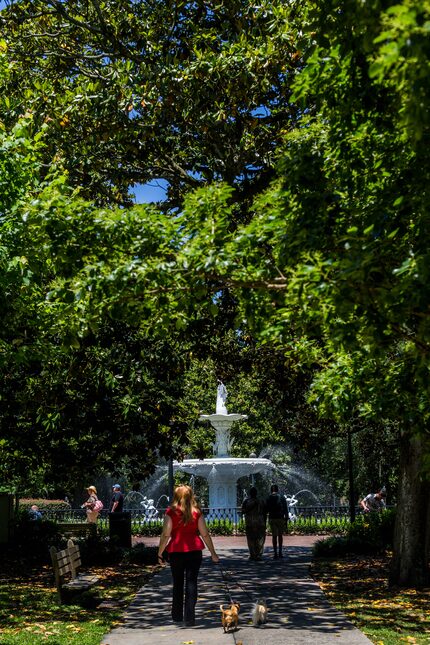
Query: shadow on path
[(298, 610)]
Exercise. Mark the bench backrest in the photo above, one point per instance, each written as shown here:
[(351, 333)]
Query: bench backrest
[(74, 557), (60, 564)]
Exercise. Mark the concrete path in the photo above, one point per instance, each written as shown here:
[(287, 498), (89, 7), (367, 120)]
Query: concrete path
[(298, 610)]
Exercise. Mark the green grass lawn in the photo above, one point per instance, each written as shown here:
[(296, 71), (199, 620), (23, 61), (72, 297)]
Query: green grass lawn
[(31, 615), (388, 616)]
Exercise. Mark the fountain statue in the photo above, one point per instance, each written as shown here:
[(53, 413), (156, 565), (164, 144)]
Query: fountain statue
[(135, 500), (222, 471), (221, 397), (292, 501), (150, 511)]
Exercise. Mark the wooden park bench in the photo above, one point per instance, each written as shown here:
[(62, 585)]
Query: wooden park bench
[(67, 579), (77, 529)]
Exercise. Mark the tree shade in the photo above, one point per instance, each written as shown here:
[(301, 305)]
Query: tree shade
[(329, 262)]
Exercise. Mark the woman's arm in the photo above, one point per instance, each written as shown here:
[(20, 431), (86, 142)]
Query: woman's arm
[(165, 536), (203, 530)]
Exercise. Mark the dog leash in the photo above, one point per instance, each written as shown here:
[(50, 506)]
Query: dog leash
[(225, 575), (224, 579)]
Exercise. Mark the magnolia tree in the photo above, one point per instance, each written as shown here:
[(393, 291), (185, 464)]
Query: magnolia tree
[(330, 262), (131, 92), (333, 264)]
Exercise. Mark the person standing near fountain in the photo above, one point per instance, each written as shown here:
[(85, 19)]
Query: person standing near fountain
[(90, 505), (277, 510), (117, 501), (374, 501), (254, 511), (183, 529)]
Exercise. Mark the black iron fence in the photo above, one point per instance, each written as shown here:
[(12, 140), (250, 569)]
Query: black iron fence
[(228, 521)]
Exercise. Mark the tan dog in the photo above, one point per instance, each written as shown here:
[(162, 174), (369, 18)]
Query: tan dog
[(230, 616), (259, 613)]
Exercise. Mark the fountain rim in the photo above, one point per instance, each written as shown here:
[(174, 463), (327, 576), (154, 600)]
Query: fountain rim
[(215, 461), (221, 417)]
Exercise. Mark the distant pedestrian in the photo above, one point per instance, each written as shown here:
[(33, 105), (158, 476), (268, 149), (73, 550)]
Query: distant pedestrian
[(254, 512), (91, 505), (183, 530), (117, 501), (374, 501), (277, 510), (34, 513)]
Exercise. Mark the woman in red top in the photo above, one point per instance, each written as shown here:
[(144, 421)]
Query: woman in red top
[(183, 530)]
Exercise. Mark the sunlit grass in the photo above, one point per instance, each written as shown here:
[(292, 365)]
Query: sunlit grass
[(31, 615), (359, 588)]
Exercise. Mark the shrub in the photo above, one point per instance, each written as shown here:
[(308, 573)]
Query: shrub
[(103, 551), (100, 551), (33, 539), (141, 554), (369, 534), (44, 504), (374, 528), (340, 546), (152, 529), (314, 525), (221, 527)]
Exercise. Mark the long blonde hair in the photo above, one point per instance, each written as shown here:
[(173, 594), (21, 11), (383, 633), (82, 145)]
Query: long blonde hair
[(184, 500)]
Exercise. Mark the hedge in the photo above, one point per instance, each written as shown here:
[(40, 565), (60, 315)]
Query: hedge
[(44, 504)]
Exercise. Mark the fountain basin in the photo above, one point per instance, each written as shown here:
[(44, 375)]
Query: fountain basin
[(224, 466), (222, 474), (220, 418)]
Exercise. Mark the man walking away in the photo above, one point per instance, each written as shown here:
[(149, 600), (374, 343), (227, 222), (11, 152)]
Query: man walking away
[(117, 501), (254, 512), (277, 510)]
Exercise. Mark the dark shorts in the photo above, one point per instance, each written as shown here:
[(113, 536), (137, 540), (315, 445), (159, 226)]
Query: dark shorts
[(277, 527)]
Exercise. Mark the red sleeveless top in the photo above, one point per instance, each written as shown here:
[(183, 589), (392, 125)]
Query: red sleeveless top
[(184, 537)]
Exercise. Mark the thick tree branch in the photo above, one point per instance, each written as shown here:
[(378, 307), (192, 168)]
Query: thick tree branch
[(60, 8)]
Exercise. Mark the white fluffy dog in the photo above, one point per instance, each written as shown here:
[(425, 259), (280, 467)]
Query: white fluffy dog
[(259, 613)]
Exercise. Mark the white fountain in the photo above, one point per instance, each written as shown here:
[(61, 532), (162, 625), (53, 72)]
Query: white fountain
[(222, 471)]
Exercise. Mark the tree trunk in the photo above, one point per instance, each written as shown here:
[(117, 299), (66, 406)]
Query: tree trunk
[(410, 565), (427, 551)]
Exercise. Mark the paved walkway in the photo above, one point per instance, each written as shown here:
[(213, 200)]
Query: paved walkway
[(298, 610)]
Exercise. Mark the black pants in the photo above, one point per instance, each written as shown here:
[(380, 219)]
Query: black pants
[(185, 567)]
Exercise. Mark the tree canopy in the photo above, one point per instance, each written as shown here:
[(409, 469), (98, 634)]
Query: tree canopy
[(308, 123), (135, 91)]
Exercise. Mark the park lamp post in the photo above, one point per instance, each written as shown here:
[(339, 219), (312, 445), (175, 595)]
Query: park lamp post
[(351, 477)]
